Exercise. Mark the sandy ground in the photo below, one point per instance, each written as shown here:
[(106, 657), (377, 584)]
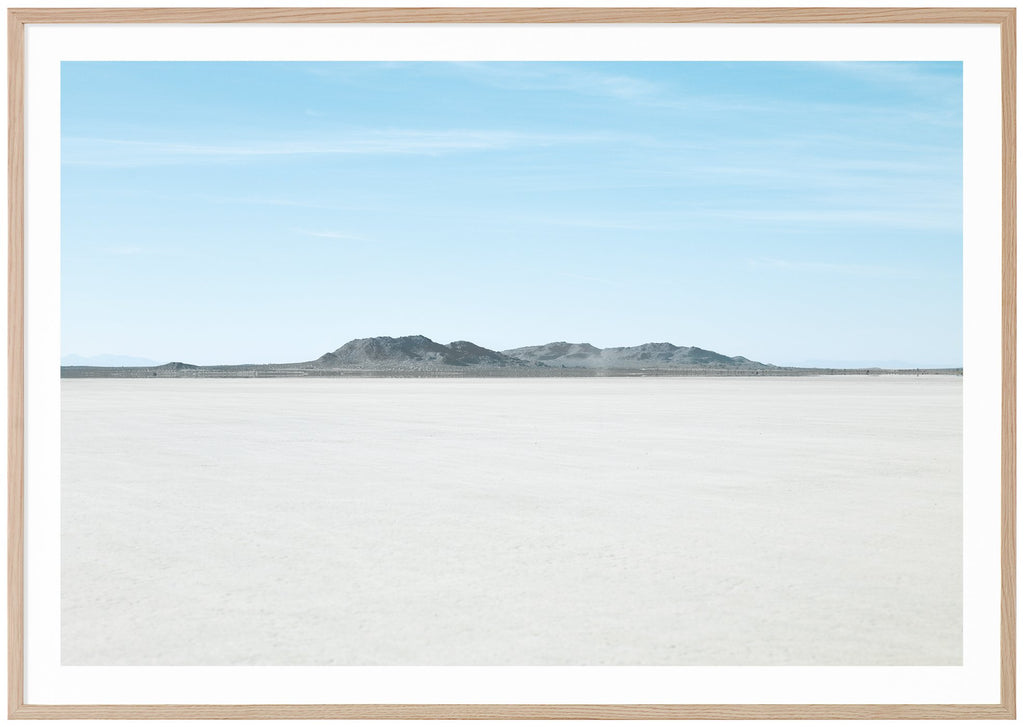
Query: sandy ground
[(770, 521)]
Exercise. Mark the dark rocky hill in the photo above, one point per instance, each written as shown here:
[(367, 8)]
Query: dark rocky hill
[(645, 356), (413, 353)]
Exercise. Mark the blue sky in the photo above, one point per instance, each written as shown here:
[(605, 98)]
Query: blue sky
[(269, 212)]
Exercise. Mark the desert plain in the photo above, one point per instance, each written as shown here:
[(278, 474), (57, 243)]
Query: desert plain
[(531, 521)]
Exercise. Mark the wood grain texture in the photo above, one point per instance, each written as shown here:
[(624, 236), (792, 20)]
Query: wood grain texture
[(512, 15), (15, 362), (517, 711), (18, 18), (1008, 526)]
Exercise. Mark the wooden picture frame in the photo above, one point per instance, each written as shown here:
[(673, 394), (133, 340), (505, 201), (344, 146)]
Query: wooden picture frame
[(22, 18)]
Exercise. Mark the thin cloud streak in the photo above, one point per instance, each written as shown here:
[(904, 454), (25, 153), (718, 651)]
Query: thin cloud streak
[(78, 151), (124, 250), (330, 235), (908, 75), (136, 250), (818, 267), (524, 77), (591, 279), (642, 92), (923, 219)]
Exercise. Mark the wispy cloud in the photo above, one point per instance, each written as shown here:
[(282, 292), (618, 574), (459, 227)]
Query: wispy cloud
[(79, 151), (274, 202), (921, 78), (820, 267), (573, 79), (591, 279), (136, 251), (816, 170), (621, 87), (124, 250), (330, 234), (645, 223), (924, 218)]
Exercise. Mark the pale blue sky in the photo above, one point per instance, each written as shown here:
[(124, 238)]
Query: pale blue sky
[(269, 212)]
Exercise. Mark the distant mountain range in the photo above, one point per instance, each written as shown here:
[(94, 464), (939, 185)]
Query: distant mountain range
[(644, 356), (106, 359), (421, 353), (418, 355)]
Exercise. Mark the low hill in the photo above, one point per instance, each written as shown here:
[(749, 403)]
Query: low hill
[(412, 353), (645, 356)]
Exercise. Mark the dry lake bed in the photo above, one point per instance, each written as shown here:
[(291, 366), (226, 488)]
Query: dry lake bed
[(620, 521)]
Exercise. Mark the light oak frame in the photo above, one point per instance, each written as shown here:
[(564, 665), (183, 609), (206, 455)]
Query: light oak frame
[(18, 18)]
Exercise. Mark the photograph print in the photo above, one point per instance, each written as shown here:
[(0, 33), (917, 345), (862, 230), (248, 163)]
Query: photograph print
[(511, 363)]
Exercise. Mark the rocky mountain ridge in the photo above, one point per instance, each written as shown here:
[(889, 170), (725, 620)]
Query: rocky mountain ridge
[(421, 356), (414, 353), (644, 356)]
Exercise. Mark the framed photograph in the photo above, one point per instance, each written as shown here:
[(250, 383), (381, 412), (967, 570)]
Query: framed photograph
[(591, 363)]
